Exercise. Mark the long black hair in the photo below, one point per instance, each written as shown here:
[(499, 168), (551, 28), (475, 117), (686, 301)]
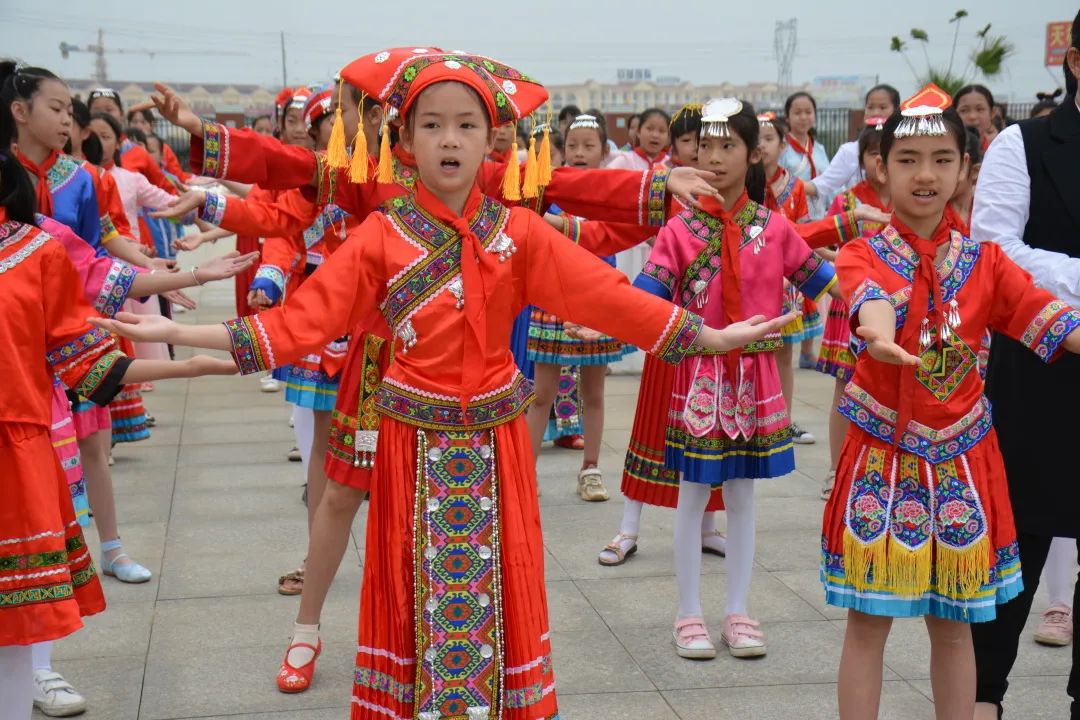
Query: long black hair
[(17, 193), (118, 131), (91, 146), (747, 126)]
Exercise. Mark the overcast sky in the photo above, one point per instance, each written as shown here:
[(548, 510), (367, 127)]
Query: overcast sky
[(700, 40)]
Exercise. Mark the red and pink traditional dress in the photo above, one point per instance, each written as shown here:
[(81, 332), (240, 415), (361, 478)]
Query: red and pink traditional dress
[(727, 417), (453, 613), (47, 577), (920, 521), (835, 357)]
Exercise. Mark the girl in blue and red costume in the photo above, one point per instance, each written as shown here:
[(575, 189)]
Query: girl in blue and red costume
[(448, 269)]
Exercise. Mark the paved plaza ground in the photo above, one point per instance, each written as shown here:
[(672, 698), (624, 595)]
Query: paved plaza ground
[(210, 504)]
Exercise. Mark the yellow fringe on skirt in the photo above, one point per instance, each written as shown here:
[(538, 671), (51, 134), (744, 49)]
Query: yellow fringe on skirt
[(886, 565)]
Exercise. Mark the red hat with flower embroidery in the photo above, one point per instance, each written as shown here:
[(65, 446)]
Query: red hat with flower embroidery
[(281, 101), (318, 106), (396, 77), (922, 113)]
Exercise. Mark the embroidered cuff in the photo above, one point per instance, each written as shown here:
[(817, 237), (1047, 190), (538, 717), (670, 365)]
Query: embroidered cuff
[(678, 337), (250, 345), (867, 290), (108, 229), (70, 350), (271, 280), (105, 379), (657, 194), (814, 277), (213, 210), (1048, 330), (116, 288), (656, 280), (572, 228), (215, 151), (847, 227)]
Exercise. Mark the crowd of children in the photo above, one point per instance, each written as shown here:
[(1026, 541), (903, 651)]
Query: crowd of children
[(418, 269)]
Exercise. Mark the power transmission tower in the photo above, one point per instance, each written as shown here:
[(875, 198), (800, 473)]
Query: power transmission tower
[(785, 43), (99, 50)]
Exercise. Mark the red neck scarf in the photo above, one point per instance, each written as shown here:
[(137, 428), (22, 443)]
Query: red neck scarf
[(41, 173), (730, 277), (771, 197), (808, 151), (404, 156), (476, 264), (500, 157), (653, 162), (924, 288), (867, 195)]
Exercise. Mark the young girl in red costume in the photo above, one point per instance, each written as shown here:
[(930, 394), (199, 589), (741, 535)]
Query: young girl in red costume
[(449, 270), (785, 193), (920, 523), (836, 357)]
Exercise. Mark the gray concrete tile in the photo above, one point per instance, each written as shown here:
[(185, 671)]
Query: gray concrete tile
[(112, 687), (331, 713), (899, 701), (269, 430), (615, 706), (229, 681), (593, 661), (1030, 698), (256, 453), (799, 653), (123, 630), (653, 601), (568, 608), (235, 477)]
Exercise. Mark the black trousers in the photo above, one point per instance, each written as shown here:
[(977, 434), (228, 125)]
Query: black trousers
[(996, 642)]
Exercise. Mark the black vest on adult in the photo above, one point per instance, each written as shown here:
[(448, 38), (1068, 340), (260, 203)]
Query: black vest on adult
[(1036, 405)]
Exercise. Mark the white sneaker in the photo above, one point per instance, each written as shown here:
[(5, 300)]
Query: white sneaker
[(54, 696), (799, 436), (269, 385)]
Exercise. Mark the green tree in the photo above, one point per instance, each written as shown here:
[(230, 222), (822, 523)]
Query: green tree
[(986, 60)]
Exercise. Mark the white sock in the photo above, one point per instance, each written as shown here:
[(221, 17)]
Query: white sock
[(1059, 573), (42, 655), (16, 682), (631, 517), (304, 430), (693, 498), (739, 501), (298, 657)]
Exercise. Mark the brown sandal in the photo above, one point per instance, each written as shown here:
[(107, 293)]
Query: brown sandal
[(291, 583)]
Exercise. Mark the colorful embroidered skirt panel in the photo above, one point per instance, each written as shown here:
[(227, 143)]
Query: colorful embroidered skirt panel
[(721, 428), (548, 343), (47, 577), (835, 357), (566, 414), (66, 445), (128, 416), (308, 385), (453, 610), (645, 477), (354, 424), (903, 537), (805, 327)]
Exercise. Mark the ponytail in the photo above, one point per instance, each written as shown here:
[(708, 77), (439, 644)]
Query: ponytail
[(17, 194), (755, 182)]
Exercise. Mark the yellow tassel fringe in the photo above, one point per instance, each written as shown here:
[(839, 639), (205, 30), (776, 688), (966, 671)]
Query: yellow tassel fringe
[(544, 158), (337, 156), (530, 187), (386, 157), (512, 179)]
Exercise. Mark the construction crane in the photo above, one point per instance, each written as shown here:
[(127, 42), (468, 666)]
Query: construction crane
[(785, 43), (99, 50)]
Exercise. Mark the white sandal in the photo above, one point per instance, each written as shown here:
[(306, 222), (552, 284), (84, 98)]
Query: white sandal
[(590, 485), (615, 548), (828, 484)]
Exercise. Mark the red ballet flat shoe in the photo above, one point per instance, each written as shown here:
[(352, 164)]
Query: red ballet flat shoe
[(570, 442), (297, 679)]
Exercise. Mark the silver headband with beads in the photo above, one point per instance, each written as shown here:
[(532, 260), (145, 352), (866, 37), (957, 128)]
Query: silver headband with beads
[(921, 121), (715, 115), (585, 121)]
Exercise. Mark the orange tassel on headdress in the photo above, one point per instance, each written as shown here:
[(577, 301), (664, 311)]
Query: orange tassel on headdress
[(358, 167), (386, 156), (512, 179), (543, 158), (530, 187), (336, 154)]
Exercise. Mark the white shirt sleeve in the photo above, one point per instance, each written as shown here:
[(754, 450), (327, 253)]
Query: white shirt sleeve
[(843, 170), (1001, 211)]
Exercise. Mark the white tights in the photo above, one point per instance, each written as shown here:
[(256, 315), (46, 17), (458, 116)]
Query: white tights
[(631, 519), (42, 655), (689, 517), (304, 430), (16, 682), (1059, 573)]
